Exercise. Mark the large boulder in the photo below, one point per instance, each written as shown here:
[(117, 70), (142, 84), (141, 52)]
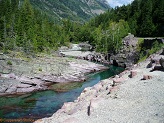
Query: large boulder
[(127, 55)]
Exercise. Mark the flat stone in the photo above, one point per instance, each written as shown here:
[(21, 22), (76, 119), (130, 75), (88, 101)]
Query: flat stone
[(12, 75), (118, 80), (3, 89), (24, 85), (26, 90), (11, 89)]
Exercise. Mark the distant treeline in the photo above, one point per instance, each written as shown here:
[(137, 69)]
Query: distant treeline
[(145, 17), (24, 28)]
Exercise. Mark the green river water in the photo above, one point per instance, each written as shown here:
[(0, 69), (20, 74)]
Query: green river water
[(44, 103)]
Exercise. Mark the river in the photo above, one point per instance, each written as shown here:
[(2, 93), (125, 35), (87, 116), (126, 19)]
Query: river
[(44, 103)]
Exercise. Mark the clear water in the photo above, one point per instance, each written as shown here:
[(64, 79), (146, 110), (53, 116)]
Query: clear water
[(43, 104)]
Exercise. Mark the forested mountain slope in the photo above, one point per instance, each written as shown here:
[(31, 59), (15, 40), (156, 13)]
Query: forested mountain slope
[(145, 17), (23, 27), (76, 10)]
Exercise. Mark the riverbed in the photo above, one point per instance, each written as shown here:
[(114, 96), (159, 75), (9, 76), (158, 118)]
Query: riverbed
[(43, 104)]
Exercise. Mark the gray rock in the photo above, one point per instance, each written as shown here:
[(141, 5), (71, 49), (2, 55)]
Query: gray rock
[(12, 75), (50, 78), (3, 89), (26, 90), (156, 58), (11, 89), (24, 85), (149, 65), (161, 61)]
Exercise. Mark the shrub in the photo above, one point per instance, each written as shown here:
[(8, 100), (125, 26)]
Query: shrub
[(40, 69), (9, 63)]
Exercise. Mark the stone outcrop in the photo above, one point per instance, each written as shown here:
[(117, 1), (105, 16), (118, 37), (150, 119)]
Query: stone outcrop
[(161, 61), (127, 56), (26, 77)]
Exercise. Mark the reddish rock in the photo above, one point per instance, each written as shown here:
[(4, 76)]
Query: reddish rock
[(12, 75), (118, 80), (133, 73), (71, 120), (73, 110), (12, 89), (113, 89), (86, 89), (98, 87), (94, 103), (146, 77), (67, 106)]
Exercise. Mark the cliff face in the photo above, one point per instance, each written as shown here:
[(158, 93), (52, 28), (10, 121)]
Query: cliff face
[(76, 10), (128, 54)]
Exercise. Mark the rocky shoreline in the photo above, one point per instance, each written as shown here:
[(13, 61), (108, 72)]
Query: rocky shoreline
[(19, 76), (135, 95)]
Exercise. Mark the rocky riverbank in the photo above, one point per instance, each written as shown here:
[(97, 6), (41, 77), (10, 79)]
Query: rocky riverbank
[(23, 75), (135, 95)]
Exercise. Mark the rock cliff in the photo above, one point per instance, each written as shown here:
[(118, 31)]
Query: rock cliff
[(128, 54)]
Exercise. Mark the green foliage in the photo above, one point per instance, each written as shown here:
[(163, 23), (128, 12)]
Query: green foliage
[(26, 29), (75, 10), (139, 44), (23, 28), (144, 52), (40, 69), (9, 63), (156, 47), (145, 17)]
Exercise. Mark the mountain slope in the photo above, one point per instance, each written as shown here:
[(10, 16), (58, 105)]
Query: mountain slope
[(76, 10)]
